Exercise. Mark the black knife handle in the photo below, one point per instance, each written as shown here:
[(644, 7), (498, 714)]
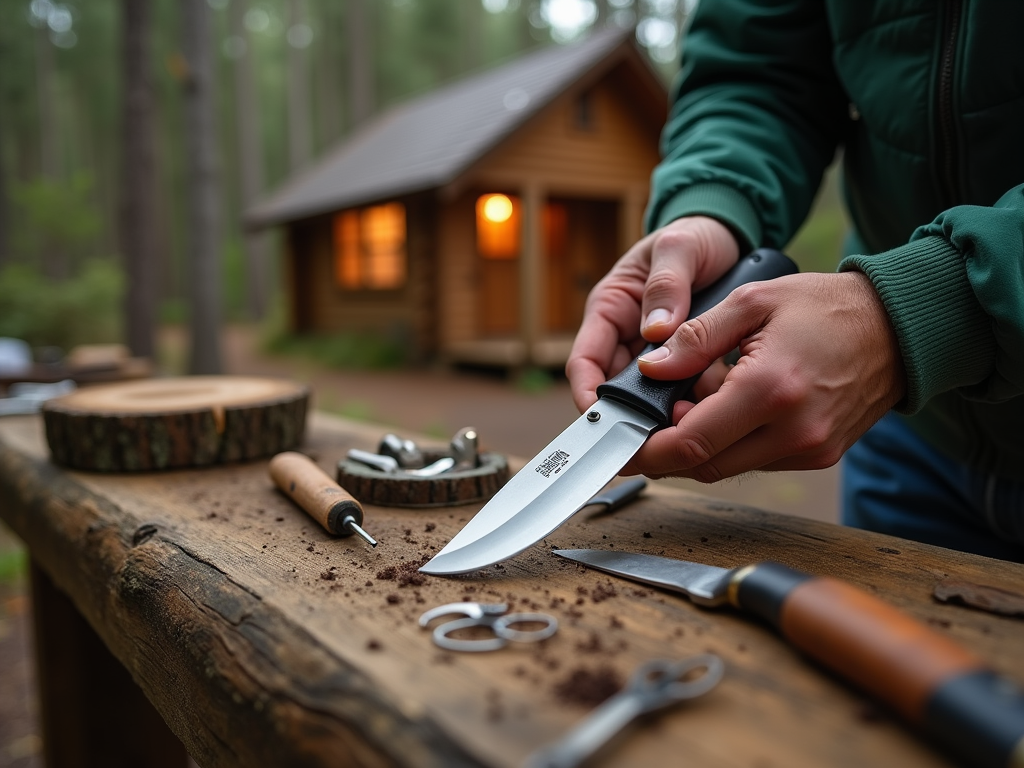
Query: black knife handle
[(656, 398), (934, 683)]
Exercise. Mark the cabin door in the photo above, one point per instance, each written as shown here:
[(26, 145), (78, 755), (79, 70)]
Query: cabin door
[(580, 246), (580, 240)]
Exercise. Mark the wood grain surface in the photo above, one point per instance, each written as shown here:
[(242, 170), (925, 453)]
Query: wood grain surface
[(262, 640)]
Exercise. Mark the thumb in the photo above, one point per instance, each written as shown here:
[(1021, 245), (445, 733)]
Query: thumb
[(697, 343)]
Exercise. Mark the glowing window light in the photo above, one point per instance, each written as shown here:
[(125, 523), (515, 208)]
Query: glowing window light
[(497, 226), (497, 208)]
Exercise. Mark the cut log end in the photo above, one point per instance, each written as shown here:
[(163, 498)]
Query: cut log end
[(175, 422)]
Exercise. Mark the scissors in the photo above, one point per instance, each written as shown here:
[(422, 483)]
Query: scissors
[(492, 616), (654, 685)]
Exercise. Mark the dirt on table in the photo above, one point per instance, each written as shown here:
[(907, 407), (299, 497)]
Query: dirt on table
[(436, 402)]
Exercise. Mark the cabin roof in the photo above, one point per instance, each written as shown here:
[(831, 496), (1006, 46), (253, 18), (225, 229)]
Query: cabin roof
[(430, 140)]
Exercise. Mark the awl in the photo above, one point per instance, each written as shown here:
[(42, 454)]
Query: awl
[(935, 684), (577, 464), (322, 498)]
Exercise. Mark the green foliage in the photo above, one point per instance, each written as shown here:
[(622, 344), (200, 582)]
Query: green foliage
[(13, 566), (534, 380), (365, 351), (54, 219), (63, 314), (818, 245)]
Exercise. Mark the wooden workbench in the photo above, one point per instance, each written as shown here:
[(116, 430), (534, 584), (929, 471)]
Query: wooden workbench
[(262, 641)]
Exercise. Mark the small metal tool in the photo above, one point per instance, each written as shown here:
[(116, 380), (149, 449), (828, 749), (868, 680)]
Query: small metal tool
[(493, 617), (322, 498), (618, 496), (464, 449), (405, 452), (390, 465), (28, 397), (654, 685)]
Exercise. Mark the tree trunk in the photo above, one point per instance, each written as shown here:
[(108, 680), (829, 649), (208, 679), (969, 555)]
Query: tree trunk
[(298, 91), (5, 203), (255, 245), (360, 66), (138, 189), (204, 200)]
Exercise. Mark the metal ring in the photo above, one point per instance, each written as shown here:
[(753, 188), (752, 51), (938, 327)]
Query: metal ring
[(451, 644), (714, 669), (502, 628)]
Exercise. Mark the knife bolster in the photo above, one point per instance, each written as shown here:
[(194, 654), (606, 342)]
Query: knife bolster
[(762, 589)]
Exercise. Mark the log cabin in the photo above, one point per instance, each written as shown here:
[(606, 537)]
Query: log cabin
[(471, 222)]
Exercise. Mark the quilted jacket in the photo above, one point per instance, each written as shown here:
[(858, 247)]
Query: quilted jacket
[(926, 100)]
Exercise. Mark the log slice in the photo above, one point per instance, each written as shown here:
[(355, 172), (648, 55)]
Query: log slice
[(175, 422)]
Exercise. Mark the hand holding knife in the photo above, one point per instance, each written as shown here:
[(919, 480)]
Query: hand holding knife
[(577, 464)]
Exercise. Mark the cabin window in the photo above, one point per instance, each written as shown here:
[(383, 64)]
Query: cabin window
[(497, 226), (585, 112), (369, 248)]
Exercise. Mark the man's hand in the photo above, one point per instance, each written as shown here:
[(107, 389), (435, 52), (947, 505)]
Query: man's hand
[(645, 297), (819, 365)]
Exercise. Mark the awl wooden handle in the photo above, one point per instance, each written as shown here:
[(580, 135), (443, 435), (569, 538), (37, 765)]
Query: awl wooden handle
[(313, 490), (934, 683)]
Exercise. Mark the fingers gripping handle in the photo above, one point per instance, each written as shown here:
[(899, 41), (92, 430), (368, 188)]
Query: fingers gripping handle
[(656, 398)]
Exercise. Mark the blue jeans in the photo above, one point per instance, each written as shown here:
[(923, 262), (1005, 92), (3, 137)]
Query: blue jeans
[(894, 482)]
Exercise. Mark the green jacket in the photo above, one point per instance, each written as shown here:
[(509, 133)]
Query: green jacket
[(926, 97)]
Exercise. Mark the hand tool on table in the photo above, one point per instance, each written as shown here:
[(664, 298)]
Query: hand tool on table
[(654, 685), (935, 684), (390, 465), (322, 498), (617, 496), (577, 463), (493, 617), (404, 451), (464, 448)]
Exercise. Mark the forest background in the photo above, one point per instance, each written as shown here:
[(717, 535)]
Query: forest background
[(134, 133)]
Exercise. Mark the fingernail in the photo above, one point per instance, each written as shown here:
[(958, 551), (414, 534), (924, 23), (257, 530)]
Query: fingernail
[(657, 317), (655, 355)]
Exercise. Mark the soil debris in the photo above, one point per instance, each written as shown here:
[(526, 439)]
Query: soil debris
[(603, 592), (588, 687)]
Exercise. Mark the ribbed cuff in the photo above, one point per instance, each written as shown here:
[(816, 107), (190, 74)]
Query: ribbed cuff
[(719, 201), (944, 335)]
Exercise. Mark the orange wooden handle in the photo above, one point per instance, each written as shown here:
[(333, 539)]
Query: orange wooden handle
[(313, 490), (931, 681), (872, 644)]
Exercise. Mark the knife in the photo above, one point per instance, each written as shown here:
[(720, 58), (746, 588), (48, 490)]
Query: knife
[(935, 684), (557, 482)]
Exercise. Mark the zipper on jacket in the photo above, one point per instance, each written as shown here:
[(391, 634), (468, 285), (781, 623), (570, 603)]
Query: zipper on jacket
[(947, 149)]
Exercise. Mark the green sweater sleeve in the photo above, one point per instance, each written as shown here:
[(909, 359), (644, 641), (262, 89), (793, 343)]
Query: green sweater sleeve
[(955, 295), (756, 116)]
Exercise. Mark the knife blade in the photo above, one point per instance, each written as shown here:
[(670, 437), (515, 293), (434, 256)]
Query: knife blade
[(934, 683), (574, 466)]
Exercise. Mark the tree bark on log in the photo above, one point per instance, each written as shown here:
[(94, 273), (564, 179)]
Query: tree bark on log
[(171, 423)]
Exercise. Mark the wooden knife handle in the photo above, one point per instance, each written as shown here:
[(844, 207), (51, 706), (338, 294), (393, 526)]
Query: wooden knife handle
[(313, 490), (931, 681)]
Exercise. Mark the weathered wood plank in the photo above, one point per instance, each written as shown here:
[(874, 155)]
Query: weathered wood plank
[(262, 640)]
